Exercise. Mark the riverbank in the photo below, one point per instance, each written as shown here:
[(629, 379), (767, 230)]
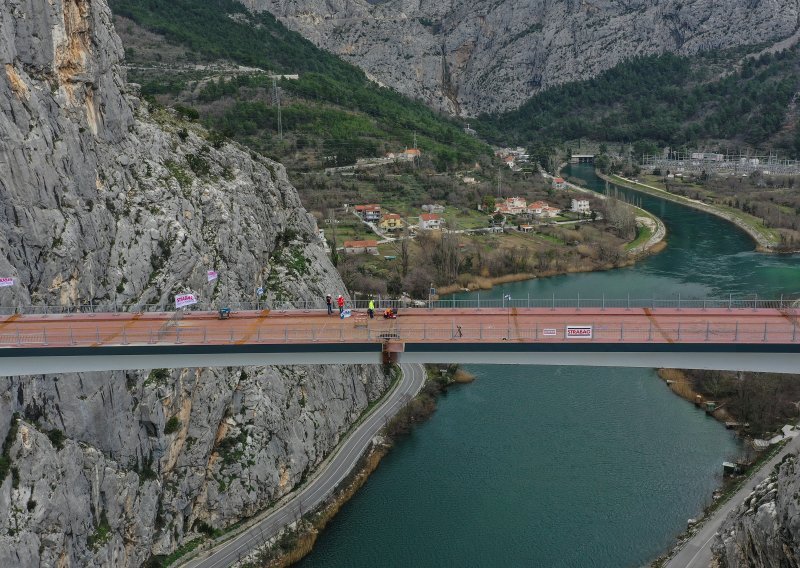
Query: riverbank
[(297, 539), (765, 242), (679, 383), (658, 231)]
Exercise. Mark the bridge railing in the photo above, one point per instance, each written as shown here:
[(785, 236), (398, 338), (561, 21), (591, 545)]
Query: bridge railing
[(61, 334), (477, 302)]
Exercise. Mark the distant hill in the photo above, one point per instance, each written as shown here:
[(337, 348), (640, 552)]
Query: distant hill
[(331, 115), (714, 99)]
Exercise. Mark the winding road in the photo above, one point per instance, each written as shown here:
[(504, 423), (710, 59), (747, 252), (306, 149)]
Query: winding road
[(696, 553), (324, 482)]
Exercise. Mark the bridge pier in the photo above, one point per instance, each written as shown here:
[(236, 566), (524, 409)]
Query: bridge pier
[(390, 353)]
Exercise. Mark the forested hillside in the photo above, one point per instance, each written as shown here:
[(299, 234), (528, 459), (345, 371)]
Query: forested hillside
[(669, 100), (331, 115)]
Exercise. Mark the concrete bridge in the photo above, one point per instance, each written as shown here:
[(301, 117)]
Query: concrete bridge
[(757, 339)]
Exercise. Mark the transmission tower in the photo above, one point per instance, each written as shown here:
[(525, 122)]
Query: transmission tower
[(276, 95)]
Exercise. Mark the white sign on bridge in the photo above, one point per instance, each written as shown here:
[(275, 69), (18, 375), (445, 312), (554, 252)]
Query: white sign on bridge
[(185, 300), (549, 332), (578, 332)]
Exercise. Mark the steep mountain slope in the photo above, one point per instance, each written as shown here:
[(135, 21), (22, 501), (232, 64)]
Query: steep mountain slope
[(469, 57), (332, 113), (712, 99), (764, 530), (103, 200)]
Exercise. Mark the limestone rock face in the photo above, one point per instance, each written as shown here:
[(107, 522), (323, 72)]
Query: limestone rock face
[(105, 199), (765, 529), (471, 56)]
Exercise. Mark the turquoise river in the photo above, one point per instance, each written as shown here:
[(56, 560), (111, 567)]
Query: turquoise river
[(562, 466)]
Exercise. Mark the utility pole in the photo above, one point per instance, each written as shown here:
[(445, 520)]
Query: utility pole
[(277, 102), (499, 181)]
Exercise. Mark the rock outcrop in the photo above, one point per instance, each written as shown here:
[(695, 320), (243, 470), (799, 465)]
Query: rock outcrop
[(467, 57), (107, 199), (765, 529)]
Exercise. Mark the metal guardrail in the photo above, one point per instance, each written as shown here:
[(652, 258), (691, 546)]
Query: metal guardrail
[(66, 335), (553, 302)]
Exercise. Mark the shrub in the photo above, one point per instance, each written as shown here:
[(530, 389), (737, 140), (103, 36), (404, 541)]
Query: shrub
[(172, 425), (56, 438)]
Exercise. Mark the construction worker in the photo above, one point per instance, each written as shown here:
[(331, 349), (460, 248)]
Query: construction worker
[(371, 308), (340, 303)]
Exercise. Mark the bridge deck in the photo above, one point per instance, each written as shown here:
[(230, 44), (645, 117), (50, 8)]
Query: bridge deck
[(486, 325)]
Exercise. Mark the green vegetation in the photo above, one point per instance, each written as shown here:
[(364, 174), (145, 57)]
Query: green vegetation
[(164, 561), (101, 535), (172, 425), (5, 457), (333, 111), (643, 233), (157, 377), (56, 438), (666, 99)]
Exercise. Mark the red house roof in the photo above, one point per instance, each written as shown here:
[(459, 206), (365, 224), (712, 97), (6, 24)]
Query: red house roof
[(360, 244), (430, 217)]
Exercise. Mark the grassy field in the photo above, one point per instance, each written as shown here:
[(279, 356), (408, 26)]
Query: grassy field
[(643, 233)]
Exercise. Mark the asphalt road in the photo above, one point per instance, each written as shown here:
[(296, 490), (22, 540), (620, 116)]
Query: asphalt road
[(324, 482), (697, 552)]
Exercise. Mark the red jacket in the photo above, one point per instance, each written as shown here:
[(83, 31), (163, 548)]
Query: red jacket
[(340, 301)]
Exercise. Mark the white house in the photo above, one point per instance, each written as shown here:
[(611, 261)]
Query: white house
[(428, 221), (550, 211), (511, 206), (559, 183), (580, 206), (369, 212)]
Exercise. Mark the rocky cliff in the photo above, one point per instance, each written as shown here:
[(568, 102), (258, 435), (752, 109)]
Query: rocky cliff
[(471, 56), (104, 198), (765, 529)]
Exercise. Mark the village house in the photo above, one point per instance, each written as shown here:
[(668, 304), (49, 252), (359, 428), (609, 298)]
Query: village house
[(511, 206), (370, 212), (559, 183), (433, 208), (361, 247), (550, 212), (428, 221), (580, 206), (542, 209), (470, 180), (536, 208), (410, 154), (391, 222)]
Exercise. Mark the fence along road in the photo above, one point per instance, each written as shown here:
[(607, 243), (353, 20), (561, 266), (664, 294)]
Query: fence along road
[(758, 338)]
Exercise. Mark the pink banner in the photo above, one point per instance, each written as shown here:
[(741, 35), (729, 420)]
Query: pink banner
[(212, 275), (185, 300), (6, 282)]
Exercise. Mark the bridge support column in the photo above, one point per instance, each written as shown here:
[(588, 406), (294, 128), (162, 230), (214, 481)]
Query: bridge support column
[(391, 352)]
